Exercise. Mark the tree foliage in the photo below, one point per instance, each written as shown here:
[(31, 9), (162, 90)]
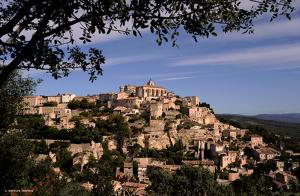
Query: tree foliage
[(273, 132), (80, 104), (119, 127), (11, 97), (186, 181), (50, 104), (39, 34), (254, 185), (14, 162)]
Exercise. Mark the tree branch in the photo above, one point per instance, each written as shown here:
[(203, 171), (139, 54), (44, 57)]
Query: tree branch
[(8, 27), (13, 65)]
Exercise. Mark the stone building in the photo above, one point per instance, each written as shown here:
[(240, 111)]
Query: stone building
[(130, 102), (89, 98), (202, 115), (225, 160), (55, 98), (279, 164), (34, 101), (241, 132), (128, 169), (155, 126), (67, 97), (256, 140), (156, 109), (265, 153), (128, 89), (216, 148), (143, 163), (150, 90), (122, 95), (57, 111), (94, 148), (105, 97), (38, 101), (207, 164), (229, 133), (190, 101)]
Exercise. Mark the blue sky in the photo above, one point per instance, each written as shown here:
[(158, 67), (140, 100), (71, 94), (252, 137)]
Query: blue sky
[(235, 73)]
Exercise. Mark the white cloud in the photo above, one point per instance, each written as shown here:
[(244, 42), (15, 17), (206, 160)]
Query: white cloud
[(267, 30), (267, 56), (131, 59), (280, 68), (247, 4)]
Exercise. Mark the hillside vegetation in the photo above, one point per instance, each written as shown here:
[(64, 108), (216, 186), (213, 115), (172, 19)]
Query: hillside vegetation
[(283, 135), (275, 127), (290, 118)]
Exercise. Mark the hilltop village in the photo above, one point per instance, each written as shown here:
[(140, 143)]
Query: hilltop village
[(152, 127)]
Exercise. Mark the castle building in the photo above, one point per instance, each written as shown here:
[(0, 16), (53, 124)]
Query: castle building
[(129, 89), (191, 101), (150, 90)]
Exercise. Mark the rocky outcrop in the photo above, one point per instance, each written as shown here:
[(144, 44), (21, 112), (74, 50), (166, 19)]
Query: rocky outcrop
[(187, 135)]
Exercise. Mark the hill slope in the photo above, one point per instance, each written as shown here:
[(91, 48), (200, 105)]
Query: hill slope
[(291, 117), (274, 127)]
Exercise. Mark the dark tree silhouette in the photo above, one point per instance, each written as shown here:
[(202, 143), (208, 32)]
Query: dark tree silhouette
[(39, 34)]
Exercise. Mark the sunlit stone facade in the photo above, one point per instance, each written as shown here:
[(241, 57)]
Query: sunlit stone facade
[(150, 90)]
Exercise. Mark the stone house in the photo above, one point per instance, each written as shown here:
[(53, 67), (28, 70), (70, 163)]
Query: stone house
[(169, 104), (105, 97), (130, 102), (67, 97), (143, 163), (202, 115), (216, 148), (156, 109), (256, 140), (241, 132), (127, 171), (119, 109), (190, 101), (94, 148), (89, 98), (128, 89), (225, 160), (279, 164), (207, 164), (229, 133), (265, 153), (55, 98), (137, 189), (34, 101)]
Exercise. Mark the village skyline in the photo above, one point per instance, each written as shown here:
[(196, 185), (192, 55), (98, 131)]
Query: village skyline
[(261, 69)]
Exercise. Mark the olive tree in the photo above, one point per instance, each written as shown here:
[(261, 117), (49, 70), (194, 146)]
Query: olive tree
[(39, 34)]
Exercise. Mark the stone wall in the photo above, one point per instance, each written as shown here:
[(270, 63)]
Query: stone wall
[(202, 115), (156, 109)]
